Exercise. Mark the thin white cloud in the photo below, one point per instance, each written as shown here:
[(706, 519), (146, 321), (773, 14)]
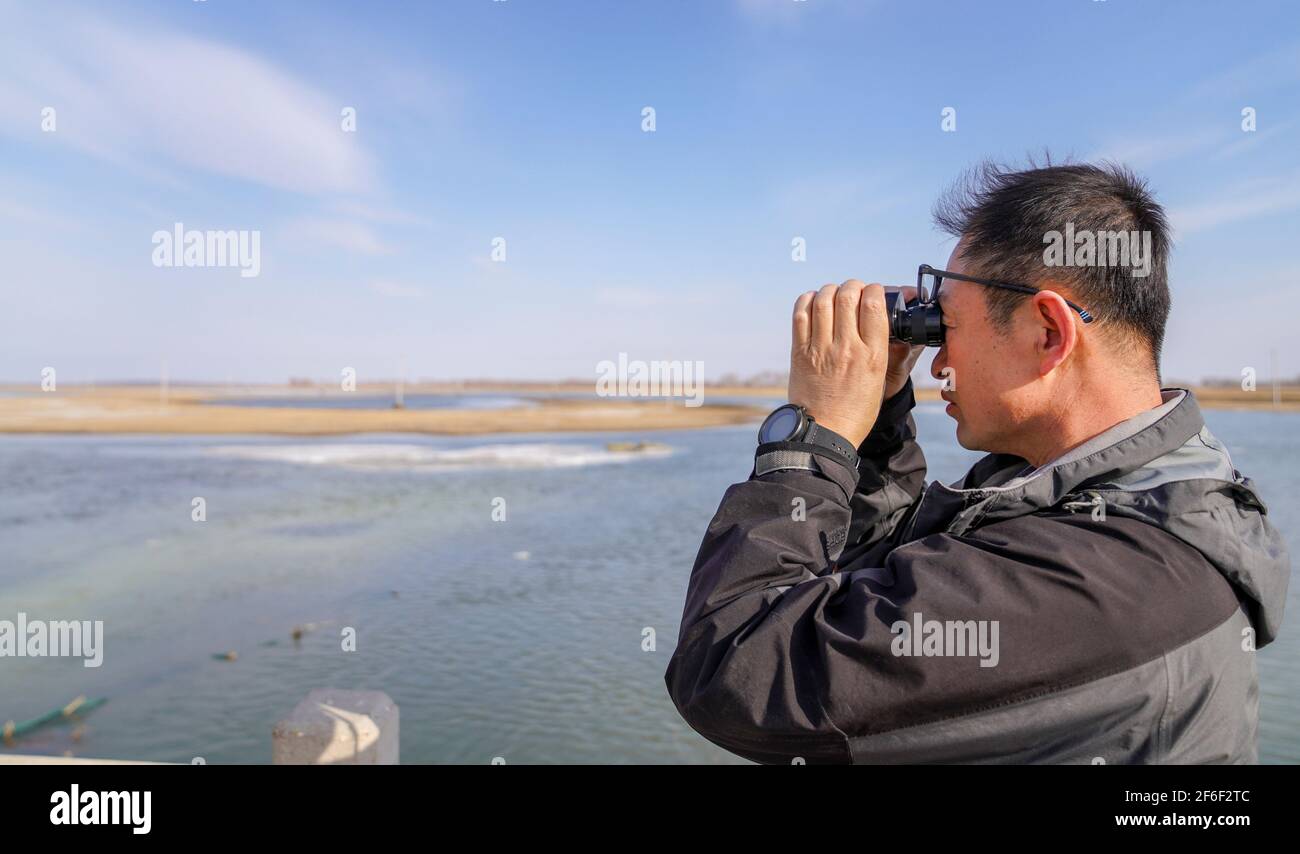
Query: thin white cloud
[(771, 11), (792, 12), (27, 215), (1252, 141), (633, 297), (1247, 200), (484, 263), (157, 98), (340, 234), (815, 198), (382, 215), (1141, 152), (1225, 138), (1276, 69), (396, 289)]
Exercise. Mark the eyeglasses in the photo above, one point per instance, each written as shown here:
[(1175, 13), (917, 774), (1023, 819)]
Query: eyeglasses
[(920, 323), (932, 295)]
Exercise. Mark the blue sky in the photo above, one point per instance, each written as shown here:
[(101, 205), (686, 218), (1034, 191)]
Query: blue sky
[(522, 119)]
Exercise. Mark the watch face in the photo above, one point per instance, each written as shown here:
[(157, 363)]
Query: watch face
[(780, 425)]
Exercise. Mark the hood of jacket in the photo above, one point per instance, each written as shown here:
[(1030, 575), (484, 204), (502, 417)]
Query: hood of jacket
[(1163, 467)]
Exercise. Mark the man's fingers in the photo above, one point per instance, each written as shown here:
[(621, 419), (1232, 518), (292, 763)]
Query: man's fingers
[(823, 317), (900, 350), (802, 321), (872, 323), (908, 291), (846, 310)]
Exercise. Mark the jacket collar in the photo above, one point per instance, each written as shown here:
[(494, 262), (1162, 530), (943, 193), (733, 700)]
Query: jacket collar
[(997, 486)]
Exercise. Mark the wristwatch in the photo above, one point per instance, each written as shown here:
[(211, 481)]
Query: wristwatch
[(793, 424)]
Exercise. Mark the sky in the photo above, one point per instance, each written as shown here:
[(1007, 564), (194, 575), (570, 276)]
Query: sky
[(523, 120)]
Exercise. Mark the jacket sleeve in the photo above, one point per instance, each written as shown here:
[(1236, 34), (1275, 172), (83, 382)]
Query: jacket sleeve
[(768, 562), (738, 675), (892, 472)]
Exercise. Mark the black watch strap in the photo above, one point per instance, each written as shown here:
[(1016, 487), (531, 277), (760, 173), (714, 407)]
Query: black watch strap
[(820, 459), (832, 441), (816, 440)]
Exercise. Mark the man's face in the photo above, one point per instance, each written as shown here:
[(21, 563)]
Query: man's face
[(990, 370)]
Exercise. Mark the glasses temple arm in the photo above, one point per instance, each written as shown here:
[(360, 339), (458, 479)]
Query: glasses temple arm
[(1024, 289)]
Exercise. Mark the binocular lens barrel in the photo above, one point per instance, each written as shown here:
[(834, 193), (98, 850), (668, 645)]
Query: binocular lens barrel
[(917, 323)]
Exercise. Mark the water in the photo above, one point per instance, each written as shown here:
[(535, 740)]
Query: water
[(469, 400), (336, 400), (520, 639)]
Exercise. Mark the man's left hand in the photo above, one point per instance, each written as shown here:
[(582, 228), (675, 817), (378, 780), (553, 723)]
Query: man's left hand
[(838, 356)]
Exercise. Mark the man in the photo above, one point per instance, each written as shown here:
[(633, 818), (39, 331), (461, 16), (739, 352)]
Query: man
[(1092, 591)]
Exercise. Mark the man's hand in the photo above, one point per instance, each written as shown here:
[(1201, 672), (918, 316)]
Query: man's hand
[(839, 356)]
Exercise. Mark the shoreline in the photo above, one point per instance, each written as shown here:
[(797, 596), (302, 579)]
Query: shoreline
[(196, 410)]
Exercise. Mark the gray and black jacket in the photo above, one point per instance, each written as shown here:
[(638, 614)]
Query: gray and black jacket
[(1103, 608)]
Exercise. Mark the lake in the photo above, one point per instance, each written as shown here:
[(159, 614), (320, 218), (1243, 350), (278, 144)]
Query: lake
[(519, 639), (341, 400)]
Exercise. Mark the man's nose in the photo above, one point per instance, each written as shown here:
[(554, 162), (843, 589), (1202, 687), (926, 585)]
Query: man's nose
[(940, 362)]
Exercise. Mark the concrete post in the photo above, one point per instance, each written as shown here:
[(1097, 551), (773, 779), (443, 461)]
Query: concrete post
[(333, 726)]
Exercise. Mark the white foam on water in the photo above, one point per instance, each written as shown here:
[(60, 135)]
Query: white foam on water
[(378, 457)]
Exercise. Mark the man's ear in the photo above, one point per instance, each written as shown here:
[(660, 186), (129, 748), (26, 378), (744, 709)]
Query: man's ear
[(1056, 332)]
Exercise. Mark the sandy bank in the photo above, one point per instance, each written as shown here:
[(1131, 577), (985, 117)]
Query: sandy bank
[(198, 410), (140, 409)]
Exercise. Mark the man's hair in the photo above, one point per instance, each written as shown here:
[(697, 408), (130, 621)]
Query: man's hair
[(1005, 216)]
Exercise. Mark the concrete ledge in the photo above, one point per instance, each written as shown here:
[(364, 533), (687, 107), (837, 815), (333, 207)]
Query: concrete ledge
[(335, 726), (32, 759)]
